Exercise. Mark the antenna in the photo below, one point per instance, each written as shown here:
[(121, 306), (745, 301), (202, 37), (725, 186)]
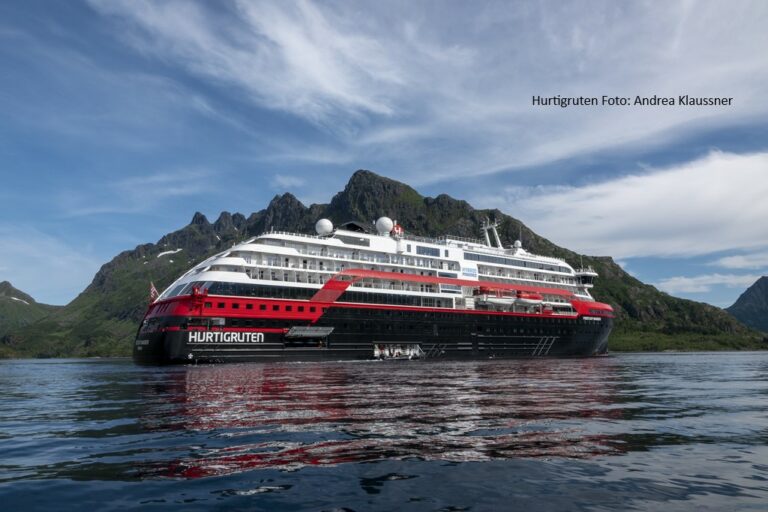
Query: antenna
[(485, 226), (496, 234)]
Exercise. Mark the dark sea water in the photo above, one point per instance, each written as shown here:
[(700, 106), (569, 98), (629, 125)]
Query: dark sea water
[(627, 432)]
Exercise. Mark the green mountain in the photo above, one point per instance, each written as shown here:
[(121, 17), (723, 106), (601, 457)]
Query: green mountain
[(103, 319), (18, 310), (751, 308)]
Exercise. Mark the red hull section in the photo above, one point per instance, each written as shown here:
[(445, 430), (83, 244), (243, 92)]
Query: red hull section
[(323, 326)]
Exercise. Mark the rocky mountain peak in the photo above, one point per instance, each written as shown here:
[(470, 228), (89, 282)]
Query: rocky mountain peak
[(224, 223), (283, 212), (366, 183), (229, 225), (286, 200), (752, 306), (239, 220), (199, 219), (368, 196), (8, 290)]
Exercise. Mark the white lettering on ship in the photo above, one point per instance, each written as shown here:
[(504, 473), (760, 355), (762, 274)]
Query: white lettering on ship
[(225, 337)]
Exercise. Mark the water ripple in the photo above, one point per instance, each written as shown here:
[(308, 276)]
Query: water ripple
[(633, 431)]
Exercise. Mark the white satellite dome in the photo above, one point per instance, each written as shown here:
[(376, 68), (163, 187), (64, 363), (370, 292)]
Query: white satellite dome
[(324, 227), (384, 225), (518, 244)]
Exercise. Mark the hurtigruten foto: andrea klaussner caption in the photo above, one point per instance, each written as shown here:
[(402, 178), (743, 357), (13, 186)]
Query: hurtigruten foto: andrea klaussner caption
[(684, 100)]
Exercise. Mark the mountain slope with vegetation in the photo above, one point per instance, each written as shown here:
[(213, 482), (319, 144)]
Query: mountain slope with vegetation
[(103, 318), (18, 310)]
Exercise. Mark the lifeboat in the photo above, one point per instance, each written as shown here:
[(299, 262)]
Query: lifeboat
[(499, 301), (495, 296), (529, 298)]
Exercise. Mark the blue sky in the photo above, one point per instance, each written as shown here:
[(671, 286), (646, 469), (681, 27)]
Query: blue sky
[(120, 119)]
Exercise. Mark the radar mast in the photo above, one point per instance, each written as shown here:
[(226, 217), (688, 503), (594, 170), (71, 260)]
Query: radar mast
[(491, 226)]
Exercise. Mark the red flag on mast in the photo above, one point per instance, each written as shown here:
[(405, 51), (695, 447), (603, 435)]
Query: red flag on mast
[(153, 294)]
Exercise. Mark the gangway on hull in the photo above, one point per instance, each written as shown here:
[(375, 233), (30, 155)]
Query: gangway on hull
[(386, 350)]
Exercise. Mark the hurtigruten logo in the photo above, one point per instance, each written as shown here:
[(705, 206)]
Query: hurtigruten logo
[(683, 100), (225, 337)]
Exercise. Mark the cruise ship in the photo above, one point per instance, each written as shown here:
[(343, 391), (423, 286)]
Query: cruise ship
[(361, 291)]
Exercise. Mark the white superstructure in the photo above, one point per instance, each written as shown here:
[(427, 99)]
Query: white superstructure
[(294, 260)]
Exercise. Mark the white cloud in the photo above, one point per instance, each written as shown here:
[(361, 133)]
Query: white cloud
[(95, 105), (744, 261), (287, 56), (283, 181), (454, 92), (43, 265), (716, 203), (135, 194), (302, 155), (705, 283)]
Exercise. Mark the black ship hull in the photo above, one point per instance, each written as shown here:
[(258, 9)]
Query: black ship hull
[(360, 334)]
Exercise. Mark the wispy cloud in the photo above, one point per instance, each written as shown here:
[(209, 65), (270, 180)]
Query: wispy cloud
[(705, 283), (295, 153), (63, 91), (282, 181), (136, 194), (716, 203), (289, 56), (753, 260), (430, 96)]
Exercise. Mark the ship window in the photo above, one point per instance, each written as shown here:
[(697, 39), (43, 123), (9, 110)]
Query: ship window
[(249, 306), (208, 305), (220, 305), (275, 307), (312, 309), (301, 308), (289, 308), (426, 251), (235, 305), (175, 291), (262, 307)]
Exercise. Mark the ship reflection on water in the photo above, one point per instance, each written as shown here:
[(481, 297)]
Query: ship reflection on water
[(289, 416)]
